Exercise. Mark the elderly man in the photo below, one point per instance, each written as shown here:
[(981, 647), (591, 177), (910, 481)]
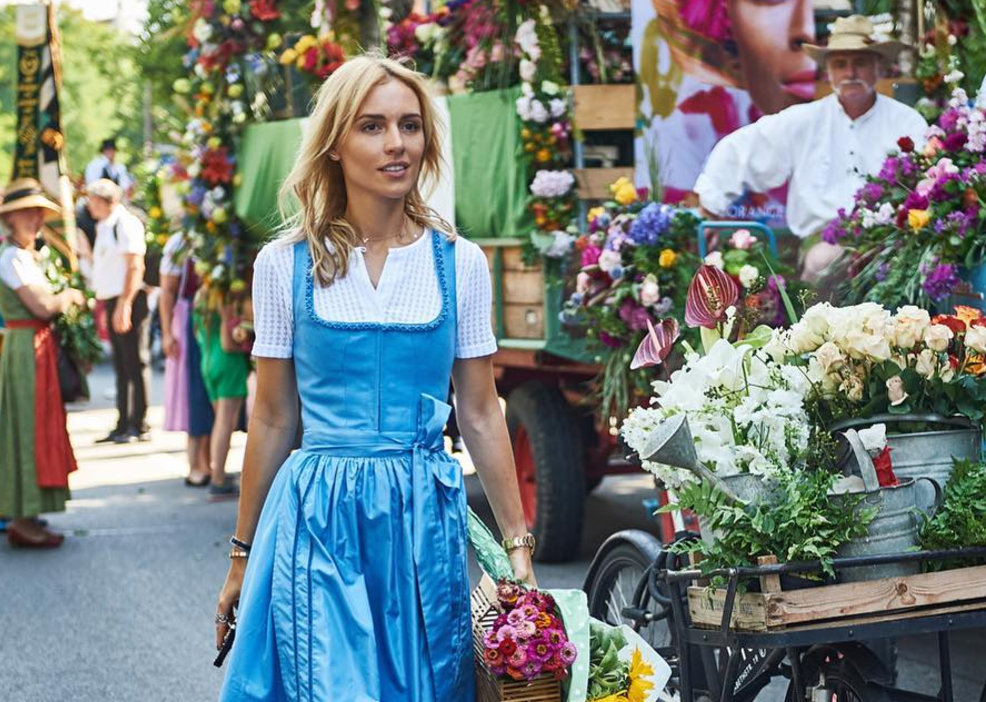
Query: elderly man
[(823, 149), (118, 279)]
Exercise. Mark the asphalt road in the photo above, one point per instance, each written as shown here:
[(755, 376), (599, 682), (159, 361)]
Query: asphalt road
[(123, 611)]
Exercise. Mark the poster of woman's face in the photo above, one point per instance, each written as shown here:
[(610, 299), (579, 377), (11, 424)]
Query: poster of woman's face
[(708, 67)]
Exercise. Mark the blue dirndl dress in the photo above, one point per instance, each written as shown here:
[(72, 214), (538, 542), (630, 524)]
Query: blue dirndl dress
[(357, 585)]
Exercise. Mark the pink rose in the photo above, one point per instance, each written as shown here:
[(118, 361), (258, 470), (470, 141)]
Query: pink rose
[(742, 239), (590, 255)]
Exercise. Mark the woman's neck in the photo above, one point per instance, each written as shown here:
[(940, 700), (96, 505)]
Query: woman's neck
[(22, 240), (377, 220)]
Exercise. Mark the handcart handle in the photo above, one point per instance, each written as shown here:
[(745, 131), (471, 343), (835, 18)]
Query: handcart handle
[(736, 224)]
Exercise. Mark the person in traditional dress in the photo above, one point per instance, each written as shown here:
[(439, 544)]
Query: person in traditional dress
[(357, 583), (186, 404), (35, 453)]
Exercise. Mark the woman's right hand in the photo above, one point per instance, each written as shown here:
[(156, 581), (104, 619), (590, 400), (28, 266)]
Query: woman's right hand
[(169, 346), (229, 598), (75, 297)]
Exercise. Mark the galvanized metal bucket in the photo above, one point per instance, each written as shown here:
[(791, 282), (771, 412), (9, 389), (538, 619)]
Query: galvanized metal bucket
[(926, 454), (895, 527)]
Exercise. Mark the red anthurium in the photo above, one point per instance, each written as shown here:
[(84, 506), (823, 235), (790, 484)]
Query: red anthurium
[(711, 292), (656, 345)]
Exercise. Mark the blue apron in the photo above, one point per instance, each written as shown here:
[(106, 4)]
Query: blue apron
[(357, 587)]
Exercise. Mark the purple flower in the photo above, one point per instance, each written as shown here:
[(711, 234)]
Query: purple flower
[(948, 120), (871, 192), (569, 653), (955, 142), (940, 281), (609, 340), (881, 272), (889, 169), (834, 231), (908, 167), (653, 220), (634, 315), (916, 201)]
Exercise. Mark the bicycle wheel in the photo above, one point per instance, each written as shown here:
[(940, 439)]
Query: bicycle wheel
[(615, 587), (838, 681)]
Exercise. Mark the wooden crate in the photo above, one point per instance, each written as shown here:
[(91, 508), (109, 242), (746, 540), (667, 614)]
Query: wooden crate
[(520, 292), (902, 597), (488, 687), (599, 107), (593, 183)]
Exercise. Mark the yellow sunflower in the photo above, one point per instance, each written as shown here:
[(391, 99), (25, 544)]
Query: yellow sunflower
[(640, 678)]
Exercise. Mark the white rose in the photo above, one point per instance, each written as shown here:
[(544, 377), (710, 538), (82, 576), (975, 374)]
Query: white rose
[(715, 259), (937, 337), (749, 275), (909, 326), (829, 356), (650, 292), (862, 345), (975, 339), (895, 391), (528, 69), (609, 260), (926, 363)]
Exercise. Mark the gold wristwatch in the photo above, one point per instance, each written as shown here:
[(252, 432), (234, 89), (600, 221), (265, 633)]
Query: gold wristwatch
[(525, 541)]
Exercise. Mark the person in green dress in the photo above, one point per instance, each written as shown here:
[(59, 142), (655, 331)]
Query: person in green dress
[(35, 453)]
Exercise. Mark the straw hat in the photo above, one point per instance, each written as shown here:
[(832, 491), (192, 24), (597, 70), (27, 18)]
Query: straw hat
[(854, 33), (25, 193)]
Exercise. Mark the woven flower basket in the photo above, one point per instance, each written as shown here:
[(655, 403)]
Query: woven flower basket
[(489, 688)]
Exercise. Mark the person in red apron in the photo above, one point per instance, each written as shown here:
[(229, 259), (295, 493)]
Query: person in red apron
[(35, 453)]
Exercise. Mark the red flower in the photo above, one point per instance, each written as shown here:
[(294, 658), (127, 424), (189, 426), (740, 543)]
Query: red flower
[(507, 647), (906, 144), (711, 292), (901, 217), (951, 321), (216, 166), (265, 10), (656, 345), (980, 322)]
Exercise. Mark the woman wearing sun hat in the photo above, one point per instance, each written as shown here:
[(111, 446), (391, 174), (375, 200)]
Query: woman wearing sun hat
[(35, 454)]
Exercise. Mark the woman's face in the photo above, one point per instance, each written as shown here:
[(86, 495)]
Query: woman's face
[(99, 208), (769, 35), (25, 222), (381, 155)]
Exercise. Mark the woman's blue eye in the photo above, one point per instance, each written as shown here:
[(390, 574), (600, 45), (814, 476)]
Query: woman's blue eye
[(412, 126)]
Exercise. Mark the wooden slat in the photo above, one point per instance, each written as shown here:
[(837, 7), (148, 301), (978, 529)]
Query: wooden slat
[(837, 603), (593, 183), (605, 107), (513, 260), (522, 321), (895, 616), (525, 287)]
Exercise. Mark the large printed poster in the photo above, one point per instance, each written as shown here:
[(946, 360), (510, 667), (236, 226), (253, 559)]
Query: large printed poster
[(707, 68)]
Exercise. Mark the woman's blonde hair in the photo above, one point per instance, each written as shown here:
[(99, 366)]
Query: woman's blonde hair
[(316, 181)]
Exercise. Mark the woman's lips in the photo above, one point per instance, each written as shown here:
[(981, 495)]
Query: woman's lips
[(801, 85)]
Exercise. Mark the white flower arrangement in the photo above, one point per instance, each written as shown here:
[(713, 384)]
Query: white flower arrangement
[(746, 413), (551, 184)]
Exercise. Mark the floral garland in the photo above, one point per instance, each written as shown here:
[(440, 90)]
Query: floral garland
[(229, 59), (921, 220), (546, 134)]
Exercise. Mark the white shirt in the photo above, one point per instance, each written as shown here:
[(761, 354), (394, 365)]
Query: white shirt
[(981, 95), (101, 166), (19, 267), (109, 267), (825, 155), (407, 293)]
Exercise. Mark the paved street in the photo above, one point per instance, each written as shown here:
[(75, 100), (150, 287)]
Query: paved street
[(123, 611)]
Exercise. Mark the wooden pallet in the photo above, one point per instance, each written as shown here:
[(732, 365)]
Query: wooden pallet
[(488, 687), (902, 597)]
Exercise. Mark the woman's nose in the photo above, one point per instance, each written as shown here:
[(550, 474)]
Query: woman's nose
[(395, 140), (802, 29)]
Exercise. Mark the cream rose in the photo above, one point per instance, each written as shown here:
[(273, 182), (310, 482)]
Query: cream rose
[(852, 388), (975, 339), (895, 391), (749, 275), (937, 337), (829, 356), (910, 325), (926, 364), (650, 292)]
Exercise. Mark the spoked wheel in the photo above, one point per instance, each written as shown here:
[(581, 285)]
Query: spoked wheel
[(838, 681), (615, 587)]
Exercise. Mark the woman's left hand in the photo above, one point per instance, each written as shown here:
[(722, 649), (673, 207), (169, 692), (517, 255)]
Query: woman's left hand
[(520, 559)]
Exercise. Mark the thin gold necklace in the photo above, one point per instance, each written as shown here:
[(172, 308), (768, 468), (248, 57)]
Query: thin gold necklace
[(400, 235)]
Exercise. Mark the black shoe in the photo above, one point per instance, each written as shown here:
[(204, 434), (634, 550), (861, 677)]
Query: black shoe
[(112, 437), (132, 437)]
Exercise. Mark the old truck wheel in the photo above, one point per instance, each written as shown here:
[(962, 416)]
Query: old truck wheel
[(547, 449)]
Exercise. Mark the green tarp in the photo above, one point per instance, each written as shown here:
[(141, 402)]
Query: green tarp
[(490, 181)]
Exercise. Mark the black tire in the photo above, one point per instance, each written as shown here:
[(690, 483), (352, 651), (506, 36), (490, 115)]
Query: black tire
[(614, 584), (552, 428), (844, 683)]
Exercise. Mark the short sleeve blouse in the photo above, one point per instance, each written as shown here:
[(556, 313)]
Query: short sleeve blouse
[(19, 267), (407, 293)]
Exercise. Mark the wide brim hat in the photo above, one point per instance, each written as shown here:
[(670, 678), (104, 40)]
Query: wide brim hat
[(854, 33), (25, 193)]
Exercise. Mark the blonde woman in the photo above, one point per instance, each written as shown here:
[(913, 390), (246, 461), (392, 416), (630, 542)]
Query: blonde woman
[(352, 581)]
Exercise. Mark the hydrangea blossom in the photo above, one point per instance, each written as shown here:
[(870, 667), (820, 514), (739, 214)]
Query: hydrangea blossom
[(551, 184), (653, 220)]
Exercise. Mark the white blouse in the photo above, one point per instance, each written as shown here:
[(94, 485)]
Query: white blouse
[(19, 267), (407, 293)]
